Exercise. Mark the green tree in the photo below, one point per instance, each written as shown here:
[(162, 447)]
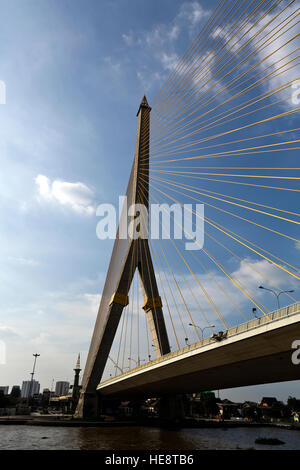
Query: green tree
[(4, 400), (293, 404), (250, 412), (209, 404)]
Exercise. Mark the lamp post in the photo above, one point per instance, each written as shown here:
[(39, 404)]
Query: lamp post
[(202, 329), (277, 294), (138, 362), (116, 365), (130, 359), (32, 374), (254, 312)]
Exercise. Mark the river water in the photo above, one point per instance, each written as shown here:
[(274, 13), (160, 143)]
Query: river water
[(141, 438)]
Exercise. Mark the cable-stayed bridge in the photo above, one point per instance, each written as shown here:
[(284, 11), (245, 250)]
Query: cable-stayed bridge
[(253, 353), (186, 305)]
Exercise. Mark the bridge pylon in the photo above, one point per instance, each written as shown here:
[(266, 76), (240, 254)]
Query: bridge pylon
[(130, 253)]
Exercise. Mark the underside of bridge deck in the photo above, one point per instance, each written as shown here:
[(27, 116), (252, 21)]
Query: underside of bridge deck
[(261, 356)]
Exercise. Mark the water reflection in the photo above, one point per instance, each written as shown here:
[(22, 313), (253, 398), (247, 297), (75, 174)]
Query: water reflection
[(136, 438)]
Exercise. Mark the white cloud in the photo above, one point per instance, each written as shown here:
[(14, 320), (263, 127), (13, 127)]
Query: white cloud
[(57, 324), (188, 18), (253, 272), (44, 186), (94, 300), (192, 12), (114, 66), (7, 332), (128, 38), (161, 41), (173, 32), (201, 69), (249, 275), (165, 34), (148, 78), (169, 61), (277, 49), (77, 196), (41, 339), (162, 34), (23, 261)]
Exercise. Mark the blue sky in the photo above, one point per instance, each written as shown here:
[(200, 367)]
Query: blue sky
[(75, 73)]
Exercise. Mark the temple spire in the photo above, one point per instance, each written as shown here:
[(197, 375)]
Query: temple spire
[(77, 367), (76, 386)]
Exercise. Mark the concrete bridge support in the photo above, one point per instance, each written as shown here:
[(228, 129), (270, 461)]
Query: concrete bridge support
[(88, 406), (171, 410), (127, 257)]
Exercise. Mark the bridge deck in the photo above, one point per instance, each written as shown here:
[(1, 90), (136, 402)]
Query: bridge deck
[(255, 352)]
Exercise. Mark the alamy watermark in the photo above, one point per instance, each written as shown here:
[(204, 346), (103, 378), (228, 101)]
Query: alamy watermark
[(296, 354), (2, 92), (296, 92), (181, 222), (2, 352)]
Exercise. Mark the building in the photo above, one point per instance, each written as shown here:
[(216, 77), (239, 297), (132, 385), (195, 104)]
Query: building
[(29, 388), (15, 391), (62, 388), (4, 389), (268, 401), (230, 410)]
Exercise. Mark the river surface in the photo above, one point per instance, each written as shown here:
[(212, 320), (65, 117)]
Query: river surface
[(141, 438)]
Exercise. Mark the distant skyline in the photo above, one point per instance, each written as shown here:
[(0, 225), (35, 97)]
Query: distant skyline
[(75, 73)]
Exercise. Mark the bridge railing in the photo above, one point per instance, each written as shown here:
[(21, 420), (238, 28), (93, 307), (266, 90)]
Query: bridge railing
[(236, 330)]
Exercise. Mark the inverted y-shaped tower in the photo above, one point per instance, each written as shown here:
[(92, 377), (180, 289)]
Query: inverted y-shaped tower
[(128, 255)]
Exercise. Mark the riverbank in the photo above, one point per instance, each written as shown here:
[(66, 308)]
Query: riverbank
[(67, 421)]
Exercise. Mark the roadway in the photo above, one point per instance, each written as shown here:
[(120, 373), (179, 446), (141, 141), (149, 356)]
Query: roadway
[(253, 353)]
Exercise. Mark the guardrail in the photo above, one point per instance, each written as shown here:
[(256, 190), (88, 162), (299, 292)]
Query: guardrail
[(236, 330), (65, 397)]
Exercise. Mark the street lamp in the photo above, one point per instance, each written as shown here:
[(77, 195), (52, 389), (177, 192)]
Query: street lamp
[(118, 367), (277, 294), (138, 362), (202, 329), (130, 359), (32, 374), (115, 365)]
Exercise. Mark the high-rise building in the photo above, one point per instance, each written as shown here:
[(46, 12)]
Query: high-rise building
[(62, 388), (4, 389), (15, 391), (29, 388)]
